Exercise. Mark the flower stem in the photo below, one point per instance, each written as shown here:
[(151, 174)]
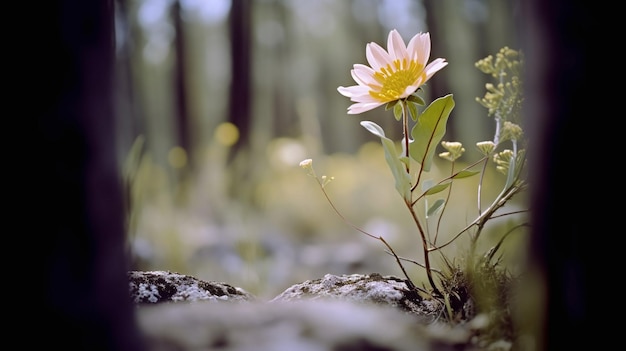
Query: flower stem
[(405, 132), (429, 272), (409, 202)]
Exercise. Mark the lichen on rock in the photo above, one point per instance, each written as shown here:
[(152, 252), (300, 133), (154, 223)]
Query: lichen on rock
[(363, 288), (150, 287)]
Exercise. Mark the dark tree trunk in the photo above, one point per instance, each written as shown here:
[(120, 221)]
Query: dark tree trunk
[(240, 92), (79, 204), (562, 73), (182, 115)]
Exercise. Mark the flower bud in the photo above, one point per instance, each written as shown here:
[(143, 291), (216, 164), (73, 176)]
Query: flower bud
[(502, 160), (511, 131), (486, 147), (455, 150), (306, 164)]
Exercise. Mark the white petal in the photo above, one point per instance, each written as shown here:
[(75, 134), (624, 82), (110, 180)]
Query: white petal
[(362, 107), (353, 91), (408, 91), (419, 47), (431, 69), (366, 69), (377, 56), (395, 46), (356, 77), (435, 66), (345, 91), (364, 98), (363, 74)]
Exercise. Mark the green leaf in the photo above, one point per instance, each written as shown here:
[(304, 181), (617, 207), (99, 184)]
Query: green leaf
[(397, 110), (404, 160), (435, 207), (412, 110), (427, 184), (416, 99), (390, 105), (397, 167), (437, 188), (373, 128), (465, 174), (510, 177), (429, 130)]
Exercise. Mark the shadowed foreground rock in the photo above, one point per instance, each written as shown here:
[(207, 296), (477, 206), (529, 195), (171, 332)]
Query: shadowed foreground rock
[(305, 325), (335, 313)]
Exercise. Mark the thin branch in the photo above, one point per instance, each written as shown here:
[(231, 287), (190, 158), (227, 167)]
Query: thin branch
[(494, 249), (355, 227), (445, 204), (480, 185), (448, 178), (480, 220), (416, 263), (509, 213)]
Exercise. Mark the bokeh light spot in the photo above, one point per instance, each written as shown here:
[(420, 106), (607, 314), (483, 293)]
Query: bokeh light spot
[(177, 157), (227, 134)]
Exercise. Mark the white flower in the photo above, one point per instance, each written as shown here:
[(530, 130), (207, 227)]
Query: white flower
[(394, 74), (306, 163)]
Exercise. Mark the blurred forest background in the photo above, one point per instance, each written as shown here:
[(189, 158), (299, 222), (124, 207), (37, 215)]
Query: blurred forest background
[(218, 101)]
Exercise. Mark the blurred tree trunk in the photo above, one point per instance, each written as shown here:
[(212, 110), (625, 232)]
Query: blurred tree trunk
[(128, 116), (240, 93), (181, 115), (80, 208), (561, 67)]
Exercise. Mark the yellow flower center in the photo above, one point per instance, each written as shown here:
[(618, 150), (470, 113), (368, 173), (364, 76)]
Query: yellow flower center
[(394, 80)]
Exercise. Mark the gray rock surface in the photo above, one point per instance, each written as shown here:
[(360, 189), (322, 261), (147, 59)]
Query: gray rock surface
[(370, 288), (162, 286)]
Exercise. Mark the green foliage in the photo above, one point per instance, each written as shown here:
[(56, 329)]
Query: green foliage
[(437, 188), (506, 96), (479, 282), (397, 110), (464, 174), (432, 210), (416, 99), (398, 168), (429, 130)]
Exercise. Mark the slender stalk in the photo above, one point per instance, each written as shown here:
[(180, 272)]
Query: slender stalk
[(409, 282), (418, 264), (405, 133), (429, 272), (449, 178), (487, 214), (480, 185), (445, 204), (409, 203)]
